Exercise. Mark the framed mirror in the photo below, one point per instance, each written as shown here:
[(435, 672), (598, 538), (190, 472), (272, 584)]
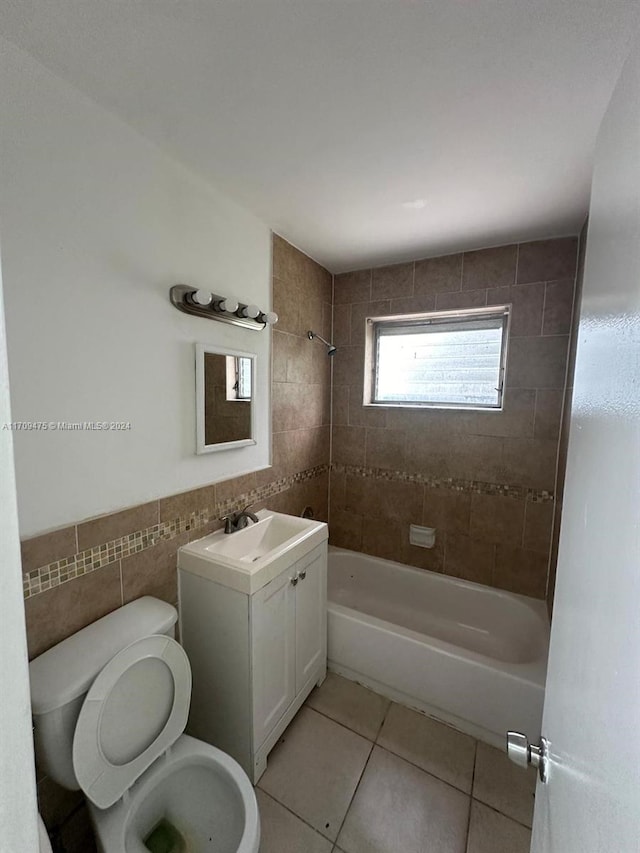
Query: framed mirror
[(225, 393)]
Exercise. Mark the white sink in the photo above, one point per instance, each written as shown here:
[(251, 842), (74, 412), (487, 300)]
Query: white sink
[(248, 559)]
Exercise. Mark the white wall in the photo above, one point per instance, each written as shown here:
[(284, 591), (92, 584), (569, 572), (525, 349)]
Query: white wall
[(96, 224), (18, 829)]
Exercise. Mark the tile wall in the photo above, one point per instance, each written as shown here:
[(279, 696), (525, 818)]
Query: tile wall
[(485, 480), (301, 370)]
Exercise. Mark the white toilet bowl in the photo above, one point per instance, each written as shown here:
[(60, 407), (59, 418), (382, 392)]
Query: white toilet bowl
[(110, 705), (200, 790)]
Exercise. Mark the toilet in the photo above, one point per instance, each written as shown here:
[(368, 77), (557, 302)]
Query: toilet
[(110, 705)]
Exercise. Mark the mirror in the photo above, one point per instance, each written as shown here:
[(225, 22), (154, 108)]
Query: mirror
[(224, 399)]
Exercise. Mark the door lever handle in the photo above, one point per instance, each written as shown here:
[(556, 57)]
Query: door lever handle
[(522, 753)]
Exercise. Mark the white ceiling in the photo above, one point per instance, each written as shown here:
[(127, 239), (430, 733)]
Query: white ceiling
[(325, 116)]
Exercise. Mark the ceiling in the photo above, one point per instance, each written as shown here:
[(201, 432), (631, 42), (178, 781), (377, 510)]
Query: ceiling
[(325, 117)]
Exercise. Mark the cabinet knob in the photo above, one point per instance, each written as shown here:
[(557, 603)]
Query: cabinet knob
[(294, 580), (302, 575)]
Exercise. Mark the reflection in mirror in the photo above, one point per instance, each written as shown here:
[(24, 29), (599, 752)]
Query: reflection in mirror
[(224, 399)]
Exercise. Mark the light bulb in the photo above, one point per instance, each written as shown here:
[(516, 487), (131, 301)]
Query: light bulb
[(228, 305), (201, 297), (270, 318), (251, 311)]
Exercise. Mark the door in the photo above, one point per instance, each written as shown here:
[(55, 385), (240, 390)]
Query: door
[(591, 803), (274, 668), (311, 615)]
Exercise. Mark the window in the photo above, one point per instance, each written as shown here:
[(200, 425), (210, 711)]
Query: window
[(447, 359), (238, 378), (243, 382)]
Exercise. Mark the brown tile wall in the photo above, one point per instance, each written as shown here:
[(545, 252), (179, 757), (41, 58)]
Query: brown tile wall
[(301, 378), (563, 445), (440, 467), (130, 553)]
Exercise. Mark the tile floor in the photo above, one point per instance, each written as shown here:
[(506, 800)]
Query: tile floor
[(355, 773)]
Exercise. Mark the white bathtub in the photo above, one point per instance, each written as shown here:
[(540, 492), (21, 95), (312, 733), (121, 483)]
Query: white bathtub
[(468, 654)]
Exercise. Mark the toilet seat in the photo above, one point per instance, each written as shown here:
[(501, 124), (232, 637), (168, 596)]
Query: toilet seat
[(136, 708)]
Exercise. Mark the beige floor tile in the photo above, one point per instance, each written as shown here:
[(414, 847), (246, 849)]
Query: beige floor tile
[(499, 783), (399, 808), (315, 769), (350, 704), (436, 748), (283, 832), (491, 832)]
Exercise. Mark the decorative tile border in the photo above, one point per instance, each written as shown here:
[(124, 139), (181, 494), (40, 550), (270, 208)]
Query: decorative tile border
[(53, 574), (471, 486)]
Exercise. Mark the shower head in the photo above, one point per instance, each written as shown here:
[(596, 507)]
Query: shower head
[(331, 350)]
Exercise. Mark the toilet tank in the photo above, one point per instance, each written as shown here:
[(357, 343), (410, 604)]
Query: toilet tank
[(61, 677)]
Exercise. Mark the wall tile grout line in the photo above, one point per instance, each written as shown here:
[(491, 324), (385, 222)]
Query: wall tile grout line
[(121, 582), (544, 308)]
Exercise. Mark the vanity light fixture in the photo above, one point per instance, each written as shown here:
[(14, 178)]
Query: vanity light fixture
[(201, 303)]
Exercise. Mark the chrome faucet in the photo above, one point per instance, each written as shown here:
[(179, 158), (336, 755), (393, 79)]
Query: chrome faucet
[(239, 520)]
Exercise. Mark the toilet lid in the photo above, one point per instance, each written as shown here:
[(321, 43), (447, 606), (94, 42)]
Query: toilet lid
[(135, 709)]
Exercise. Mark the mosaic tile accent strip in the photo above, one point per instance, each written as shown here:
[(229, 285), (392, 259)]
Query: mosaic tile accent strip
[(470, 486), (53, 574)]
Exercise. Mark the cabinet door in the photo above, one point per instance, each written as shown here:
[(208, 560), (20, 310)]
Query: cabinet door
[(273, 620), (311, 615)]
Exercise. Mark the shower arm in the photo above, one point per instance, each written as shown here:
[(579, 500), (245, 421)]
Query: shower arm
[(330, 347)]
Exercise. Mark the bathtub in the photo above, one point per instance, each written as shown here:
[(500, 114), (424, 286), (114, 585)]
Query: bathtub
[(464, 653)]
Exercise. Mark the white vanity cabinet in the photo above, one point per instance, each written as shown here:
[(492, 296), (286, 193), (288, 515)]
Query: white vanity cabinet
[(289, 647), (255, 656)]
